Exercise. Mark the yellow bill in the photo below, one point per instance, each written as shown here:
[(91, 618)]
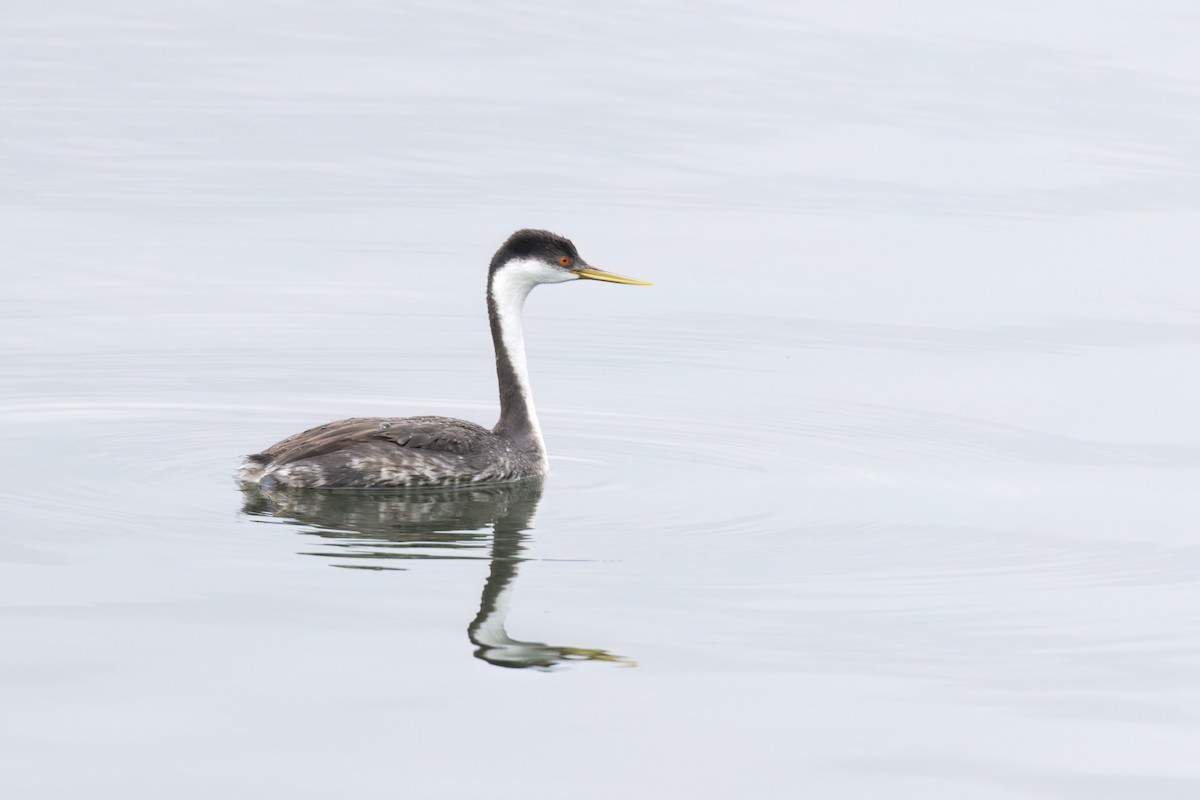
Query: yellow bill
[(593, 274), (588, 654)]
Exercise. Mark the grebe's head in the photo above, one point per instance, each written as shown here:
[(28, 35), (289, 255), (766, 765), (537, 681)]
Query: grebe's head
[(530, 257)]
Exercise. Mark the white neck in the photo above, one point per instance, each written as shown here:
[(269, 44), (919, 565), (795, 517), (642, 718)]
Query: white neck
[(509, 288), (489, 631)]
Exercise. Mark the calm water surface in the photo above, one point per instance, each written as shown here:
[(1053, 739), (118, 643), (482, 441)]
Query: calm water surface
[(887, 488)]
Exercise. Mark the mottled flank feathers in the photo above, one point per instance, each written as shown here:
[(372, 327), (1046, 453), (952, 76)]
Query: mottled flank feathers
[(392, 452)]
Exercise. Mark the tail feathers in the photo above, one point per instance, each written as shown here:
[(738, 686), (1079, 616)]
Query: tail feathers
[(251, 470)]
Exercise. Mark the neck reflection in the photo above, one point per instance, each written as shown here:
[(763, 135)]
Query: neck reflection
[(374, 529)]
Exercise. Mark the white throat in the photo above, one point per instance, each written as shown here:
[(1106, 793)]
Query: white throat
[(511, 284), (489, 631)]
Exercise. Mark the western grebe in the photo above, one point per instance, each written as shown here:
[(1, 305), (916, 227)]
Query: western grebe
[(379, 452)]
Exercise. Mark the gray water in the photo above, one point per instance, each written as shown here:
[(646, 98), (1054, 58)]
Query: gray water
[(887, 488)]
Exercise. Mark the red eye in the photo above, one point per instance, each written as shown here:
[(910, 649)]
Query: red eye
[(565, 261)]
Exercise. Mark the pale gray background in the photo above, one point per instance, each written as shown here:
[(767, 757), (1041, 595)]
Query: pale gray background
[(889, 485)]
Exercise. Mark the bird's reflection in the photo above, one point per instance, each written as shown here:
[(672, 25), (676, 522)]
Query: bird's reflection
[(377, 526)]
